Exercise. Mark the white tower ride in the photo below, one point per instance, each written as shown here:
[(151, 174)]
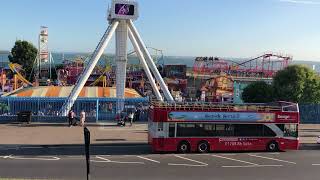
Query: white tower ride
[(44, 58), (122, 13)]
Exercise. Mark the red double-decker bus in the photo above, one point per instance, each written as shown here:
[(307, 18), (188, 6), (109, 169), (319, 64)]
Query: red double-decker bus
[(201, 127)]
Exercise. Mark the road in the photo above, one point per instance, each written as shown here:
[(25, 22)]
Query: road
[(134, 161)]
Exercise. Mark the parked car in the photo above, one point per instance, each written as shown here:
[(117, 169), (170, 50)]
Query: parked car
[(318, 140)]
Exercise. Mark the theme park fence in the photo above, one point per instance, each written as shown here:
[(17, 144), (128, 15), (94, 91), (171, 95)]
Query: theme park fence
[(48, 109), (309, 113), (100, 109)]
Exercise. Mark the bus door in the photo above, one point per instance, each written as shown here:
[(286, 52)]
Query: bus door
[(161, 133)]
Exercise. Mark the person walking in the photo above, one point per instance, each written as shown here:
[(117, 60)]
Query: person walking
[(130, 116), (137, 115), (71, 117), (82, 118)]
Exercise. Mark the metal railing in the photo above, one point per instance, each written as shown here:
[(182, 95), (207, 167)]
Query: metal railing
[(216, 106), (47, 109)]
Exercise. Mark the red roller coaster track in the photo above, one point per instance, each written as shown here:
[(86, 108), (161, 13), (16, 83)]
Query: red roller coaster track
[(264, 66)]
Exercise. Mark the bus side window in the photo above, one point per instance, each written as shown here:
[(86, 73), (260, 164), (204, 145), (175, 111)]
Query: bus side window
[(229, 130), (210, 129), (267, 132), (250, 130), (172, 128), (220, 129)]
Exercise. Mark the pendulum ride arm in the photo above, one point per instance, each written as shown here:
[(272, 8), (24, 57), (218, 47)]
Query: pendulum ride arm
[(89, 68), (145, 66), (150, 62)]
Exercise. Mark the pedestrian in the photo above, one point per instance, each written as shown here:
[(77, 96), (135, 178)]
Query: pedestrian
[(124, 120), (130, 116), (137, 115), (71, 117), (82, 118)]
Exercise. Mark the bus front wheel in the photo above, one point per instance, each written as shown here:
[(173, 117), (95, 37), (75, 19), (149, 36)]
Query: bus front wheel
[(273, 146), (203, 147), (184, 147)]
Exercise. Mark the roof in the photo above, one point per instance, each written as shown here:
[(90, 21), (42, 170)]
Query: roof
[(64, 91)]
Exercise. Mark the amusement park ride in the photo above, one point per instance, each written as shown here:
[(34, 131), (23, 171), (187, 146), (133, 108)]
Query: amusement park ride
[(265, 66), (216, 76), (42, 65), (121, 16)]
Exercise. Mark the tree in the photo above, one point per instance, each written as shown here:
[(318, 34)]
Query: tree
[(258, 92), (297, 83), (23, 53)]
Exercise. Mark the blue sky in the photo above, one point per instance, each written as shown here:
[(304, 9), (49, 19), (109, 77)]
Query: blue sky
[(225, 28)]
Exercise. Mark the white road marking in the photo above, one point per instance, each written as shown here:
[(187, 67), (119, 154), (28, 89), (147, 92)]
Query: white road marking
[(118, 162), (40, 158), (228, 154), (199, 163), (249, 166), (274, 153), (315, 164), (152, 160), (272, 159), (246, 162), (5, 157), (206, 154), (75, 156), (82, 157)]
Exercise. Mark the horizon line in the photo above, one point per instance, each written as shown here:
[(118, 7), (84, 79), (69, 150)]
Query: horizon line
[(188, 56)]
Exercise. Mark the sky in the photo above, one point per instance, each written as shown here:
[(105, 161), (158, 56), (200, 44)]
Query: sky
[(223, 28)]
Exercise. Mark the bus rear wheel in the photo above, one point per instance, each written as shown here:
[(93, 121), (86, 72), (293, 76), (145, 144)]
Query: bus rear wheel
[(203, 147), (184, 147), (272, 146)]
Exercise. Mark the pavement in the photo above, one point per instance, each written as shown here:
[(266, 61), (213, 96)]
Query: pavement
[(107, 133), (308, 133), (61, 134)]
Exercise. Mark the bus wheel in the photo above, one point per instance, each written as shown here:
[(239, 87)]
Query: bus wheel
[(184, 147), (272, 146), (203, 147)]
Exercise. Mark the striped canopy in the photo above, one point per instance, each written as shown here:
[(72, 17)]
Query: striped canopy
[(62, 91)]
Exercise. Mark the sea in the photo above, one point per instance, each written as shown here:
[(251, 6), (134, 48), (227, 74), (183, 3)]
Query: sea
[(162, 60)]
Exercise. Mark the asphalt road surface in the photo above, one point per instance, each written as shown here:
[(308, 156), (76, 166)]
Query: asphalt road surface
[(135, 162)]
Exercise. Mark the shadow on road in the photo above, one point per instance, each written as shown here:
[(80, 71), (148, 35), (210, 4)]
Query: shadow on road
[(309, 146), (74, 150), (95, 149)]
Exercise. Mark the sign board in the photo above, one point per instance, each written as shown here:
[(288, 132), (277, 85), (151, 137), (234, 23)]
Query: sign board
[(222, 116), (122, 9)]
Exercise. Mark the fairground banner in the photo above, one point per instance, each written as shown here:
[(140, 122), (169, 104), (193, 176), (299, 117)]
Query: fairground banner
[(221, 116)]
